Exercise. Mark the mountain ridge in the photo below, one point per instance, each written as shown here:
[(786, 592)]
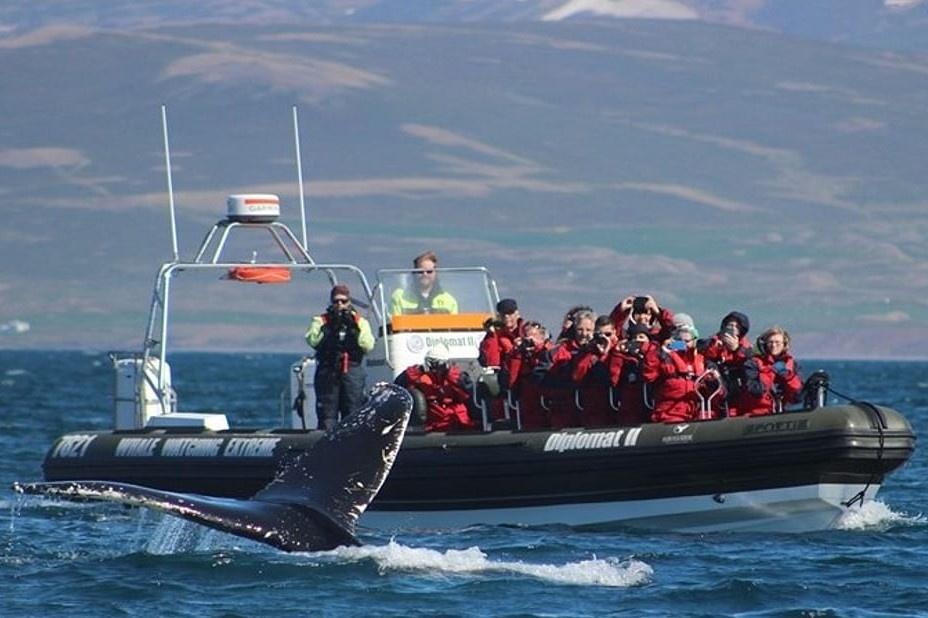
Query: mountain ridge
[(706, 164)]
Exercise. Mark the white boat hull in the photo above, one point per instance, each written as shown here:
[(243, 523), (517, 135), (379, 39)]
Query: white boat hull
[(793, 509)]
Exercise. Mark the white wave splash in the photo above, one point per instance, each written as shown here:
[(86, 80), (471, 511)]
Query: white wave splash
[(174, 535), (876, 515), (594, 572)]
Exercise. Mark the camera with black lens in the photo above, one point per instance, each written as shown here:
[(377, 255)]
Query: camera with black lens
[(492, 324), (600, 339), (633, 346), (527, 345), (334, 318)]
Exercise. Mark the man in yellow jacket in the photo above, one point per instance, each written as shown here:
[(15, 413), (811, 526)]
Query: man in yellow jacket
[(426, 294), (341, 338)]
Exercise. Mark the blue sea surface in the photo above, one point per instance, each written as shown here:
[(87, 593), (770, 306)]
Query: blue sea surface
[(70, 559)]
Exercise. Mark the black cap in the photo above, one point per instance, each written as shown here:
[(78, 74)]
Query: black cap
[(506, 306), (636, 329), (740, 318)]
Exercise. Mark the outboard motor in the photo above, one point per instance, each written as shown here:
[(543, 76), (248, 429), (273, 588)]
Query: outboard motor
[(815, 390)]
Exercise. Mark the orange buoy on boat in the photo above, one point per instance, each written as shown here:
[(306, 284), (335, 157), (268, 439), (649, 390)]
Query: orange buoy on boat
[(260, 274)]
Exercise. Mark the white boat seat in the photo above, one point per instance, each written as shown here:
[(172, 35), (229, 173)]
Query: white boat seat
[(195, 420)]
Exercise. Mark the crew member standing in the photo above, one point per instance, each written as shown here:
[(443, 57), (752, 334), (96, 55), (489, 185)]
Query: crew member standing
[(341, 338)]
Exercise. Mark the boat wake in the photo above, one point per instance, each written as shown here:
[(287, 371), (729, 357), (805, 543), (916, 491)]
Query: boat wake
[(609, 572), (876, 515)]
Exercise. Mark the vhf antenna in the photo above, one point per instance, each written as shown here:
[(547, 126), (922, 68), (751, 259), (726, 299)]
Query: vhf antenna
[(299, 175), (167, 165)]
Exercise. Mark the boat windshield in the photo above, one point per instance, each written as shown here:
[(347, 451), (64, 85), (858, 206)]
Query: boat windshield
[(442, 290)]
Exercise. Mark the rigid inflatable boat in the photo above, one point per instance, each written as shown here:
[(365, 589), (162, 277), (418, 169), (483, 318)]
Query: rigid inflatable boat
[(788, 472), (792, 471)]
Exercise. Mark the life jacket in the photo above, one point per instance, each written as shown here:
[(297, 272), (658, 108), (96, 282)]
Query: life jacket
[(758, 398), (675, 365), (589, 368), (411, 301), (556, 366), (518, 366), (517, 375), (674, 376), (337, 349)]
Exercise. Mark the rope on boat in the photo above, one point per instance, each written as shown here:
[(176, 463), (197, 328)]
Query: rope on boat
[(879, 423)]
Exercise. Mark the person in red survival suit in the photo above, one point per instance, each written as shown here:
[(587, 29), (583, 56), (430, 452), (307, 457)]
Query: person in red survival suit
[(568, 324), (590, 374), (554, 373), (446, 388), (625, 374), (771, 376), (729, 349), (516, 375), (502, 331), (643, 310), (674, 369)]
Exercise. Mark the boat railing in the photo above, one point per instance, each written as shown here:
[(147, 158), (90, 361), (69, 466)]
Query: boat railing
[(614, 401), (244, 212), (280, 233), (646, 396), (705, 402), (482, 404), (512, 405), (777, 404)]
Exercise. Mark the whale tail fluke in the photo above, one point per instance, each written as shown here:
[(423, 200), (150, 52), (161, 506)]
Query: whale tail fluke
[(315, 499)]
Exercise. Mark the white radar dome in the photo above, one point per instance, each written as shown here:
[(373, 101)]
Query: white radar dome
[(253, 208)]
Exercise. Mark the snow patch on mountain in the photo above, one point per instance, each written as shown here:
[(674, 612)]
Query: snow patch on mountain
[(651, 9)]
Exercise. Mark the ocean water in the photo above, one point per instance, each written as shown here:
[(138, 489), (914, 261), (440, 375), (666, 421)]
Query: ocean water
[(59, 558)]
